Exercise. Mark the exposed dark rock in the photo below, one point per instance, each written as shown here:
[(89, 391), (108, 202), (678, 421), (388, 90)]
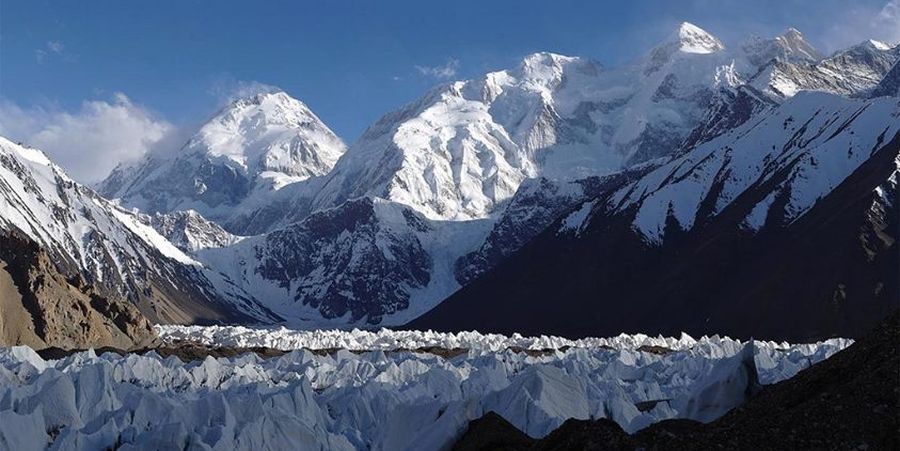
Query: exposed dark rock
[(40, 307), (535, 206), (890, 84), (492, 432), (349, 260), (729, 108)]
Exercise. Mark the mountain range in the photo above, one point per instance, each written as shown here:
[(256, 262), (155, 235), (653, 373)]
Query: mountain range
[(697, 188)]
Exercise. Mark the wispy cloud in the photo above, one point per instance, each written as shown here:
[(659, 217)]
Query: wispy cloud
[(227, 89), (447, 70), (887, 22), (89, 142), (860, 22), (49, 49)]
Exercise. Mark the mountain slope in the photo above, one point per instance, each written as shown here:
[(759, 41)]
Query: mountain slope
[(93, 242), (780, 228), (462, 150), (39, 307), (367, 262), (890, 84), (252, 147), (850, 72)]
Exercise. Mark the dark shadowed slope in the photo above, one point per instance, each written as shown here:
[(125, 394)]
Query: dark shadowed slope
[(832, 271)]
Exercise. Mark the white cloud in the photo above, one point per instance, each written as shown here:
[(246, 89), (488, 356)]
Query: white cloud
[(860, 23), (90, 142), (55, 46), (51, 48), (448, 70), (227, 89), (887, 22)]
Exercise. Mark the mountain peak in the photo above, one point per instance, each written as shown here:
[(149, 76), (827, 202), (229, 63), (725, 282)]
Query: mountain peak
[(790, 46), (795, 46), (259, 142), (693, 39), (270, 131), (878, 45), (549, 66), (546, 59), (275, 105), (792, 33)]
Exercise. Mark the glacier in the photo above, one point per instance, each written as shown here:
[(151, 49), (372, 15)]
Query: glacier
[(375, 392)]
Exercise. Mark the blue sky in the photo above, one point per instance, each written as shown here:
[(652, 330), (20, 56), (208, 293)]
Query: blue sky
[(174, 62)]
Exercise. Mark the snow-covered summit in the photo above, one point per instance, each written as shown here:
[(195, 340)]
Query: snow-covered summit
[(464, 148), (879, 45), (690, 38), (270, 132), (252, 146)]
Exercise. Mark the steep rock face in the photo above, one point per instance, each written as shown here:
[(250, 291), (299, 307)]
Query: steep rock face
[(39, 307), (88, 237), (788, 235), (189, 231), (536, 204), (730, 108), (359, 262), (890, 84), (799, 152), (252, 147)]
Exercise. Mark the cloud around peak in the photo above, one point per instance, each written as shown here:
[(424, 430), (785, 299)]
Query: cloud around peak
[(444, 71), (90, 141), (228, 89)]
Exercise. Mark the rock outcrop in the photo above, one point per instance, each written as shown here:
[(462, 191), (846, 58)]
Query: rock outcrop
[(39, 307)]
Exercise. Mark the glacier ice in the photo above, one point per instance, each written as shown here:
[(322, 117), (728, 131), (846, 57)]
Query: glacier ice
[(387, 397)]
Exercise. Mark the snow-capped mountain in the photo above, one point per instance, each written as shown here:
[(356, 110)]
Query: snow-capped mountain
[(438, 193), (851, 72), (93, 242), (464, 148), (790, 47), (252, 147), (784, 226)]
